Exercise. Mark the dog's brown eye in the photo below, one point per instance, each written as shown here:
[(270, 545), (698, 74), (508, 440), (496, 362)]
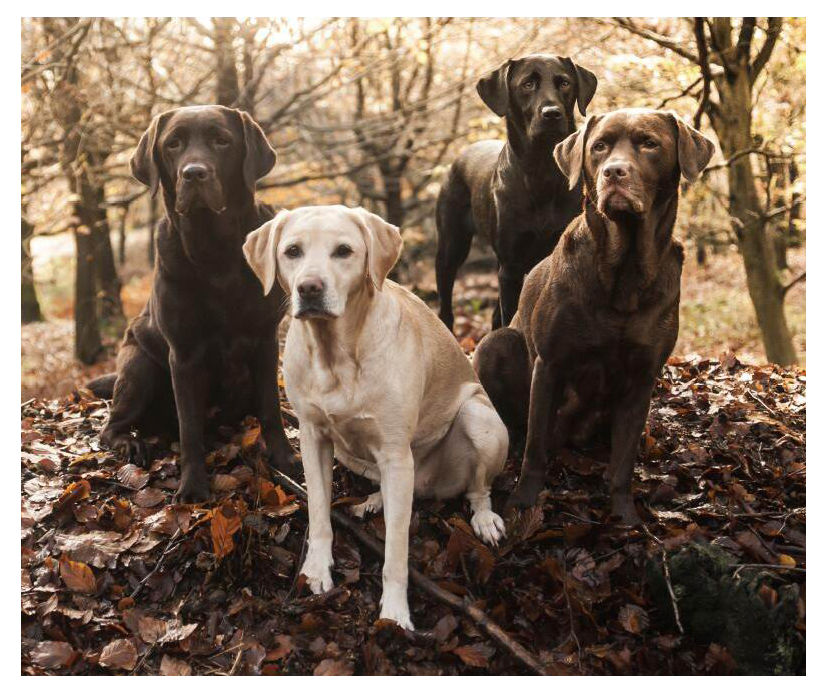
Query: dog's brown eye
[(650, 143), (173, 143), (221, 142), (564, 84), (293, 251), (599, 146), (530, 84), (343, 250)]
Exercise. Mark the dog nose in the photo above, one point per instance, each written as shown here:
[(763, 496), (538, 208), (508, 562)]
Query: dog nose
[(551, 112), (311, 288), (616, 169), (192, 172)]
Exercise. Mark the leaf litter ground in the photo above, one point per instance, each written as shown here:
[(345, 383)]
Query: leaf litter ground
[(117, 579)]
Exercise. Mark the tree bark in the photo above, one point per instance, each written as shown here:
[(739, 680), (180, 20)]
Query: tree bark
[(87, 331), (226, 72), (29, 305)]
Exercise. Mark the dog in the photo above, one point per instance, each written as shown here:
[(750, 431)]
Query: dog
[(206, 337), (513, 194), (376, 380), (598, 318)]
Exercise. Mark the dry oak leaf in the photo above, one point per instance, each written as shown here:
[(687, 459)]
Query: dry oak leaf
[(174, 667), (333, 667), (132, 476), (77, 576), (476, 655), (119, 654), (222, 529), (52, 654)]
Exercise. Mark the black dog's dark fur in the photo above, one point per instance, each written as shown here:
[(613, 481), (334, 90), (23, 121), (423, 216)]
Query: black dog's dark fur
[(207, 337), (514, 194)]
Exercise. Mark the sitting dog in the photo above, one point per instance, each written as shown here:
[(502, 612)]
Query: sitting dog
[(206, 337), (598, 318), (376, 380), (514, 195)]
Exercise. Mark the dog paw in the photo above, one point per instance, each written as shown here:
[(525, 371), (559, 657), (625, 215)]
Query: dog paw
[(373, 504), (316, 569), (488, 526), (194, 488), (395, 608), (129, 448)]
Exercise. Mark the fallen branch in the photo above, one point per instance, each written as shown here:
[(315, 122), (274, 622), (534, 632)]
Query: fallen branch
[(667, 576), (497, 634)]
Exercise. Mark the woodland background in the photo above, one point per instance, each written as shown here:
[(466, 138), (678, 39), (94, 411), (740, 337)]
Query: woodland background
[(372, 112)]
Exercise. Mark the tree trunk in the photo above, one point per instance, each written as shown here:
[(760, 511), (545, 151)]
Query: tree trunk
[(123, 212), (733, 125), (87, 331), (226, 72), (29, 305)]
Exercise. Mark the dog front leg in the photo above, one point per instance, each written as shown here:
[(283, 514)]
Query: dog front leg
[(542, 408), (268, 408), (317, 460), (190, 383), (511, 283), (397, 485), (628, 422)]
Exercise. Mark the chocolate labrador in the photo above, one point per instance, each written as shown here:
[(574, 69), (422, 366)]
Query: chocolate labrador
[(513, 194), (598, 318), (206, 337)]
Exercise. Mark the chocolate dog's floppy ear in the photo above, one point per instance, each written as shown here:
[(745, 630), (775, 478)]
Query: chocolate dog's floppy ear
[(586, 83), (493, 89), (260, 250), (569, 153), (694, 149), (143, 165), (259, 156), (383, 241)]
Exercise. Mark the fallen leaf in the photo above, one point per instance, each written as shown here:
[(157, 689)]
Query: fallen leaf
[(53, 654), (77, 576), (174, 667), (476, 655), (633, 618), (132, 476), (148, 497), (333, 667), (119, 654), (222, 529)]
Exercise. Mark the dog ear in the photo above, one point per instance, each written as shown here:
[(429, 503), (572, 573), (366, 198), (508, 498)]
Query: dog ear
[(569, 153), (586, 83), (260, 250), (493, 89), (259, 156), (384, 244), (143, 164), (694, 149)]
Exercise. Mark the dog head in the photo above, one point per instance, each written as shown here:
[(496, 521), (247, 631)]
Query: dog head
[(631, 158), (537, 94), (201, 156), (322, 256)]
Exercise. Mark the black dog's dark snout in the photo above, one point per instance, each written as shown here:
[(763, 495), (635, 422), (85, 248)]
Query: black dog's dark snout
[(616, 170), (551, 112), (311, 288), (195, 172)]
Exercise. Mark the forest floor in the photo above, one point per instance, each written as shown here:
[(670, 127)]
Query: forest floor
[(116, 578), (716, 313)]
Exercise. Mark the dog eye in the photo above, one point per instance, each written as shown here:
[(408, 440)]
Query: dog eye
[(221, 141), (343, 250), (599, 146), (564, 84), (174, 143), (650, 143), (293, 251), (530, 84)]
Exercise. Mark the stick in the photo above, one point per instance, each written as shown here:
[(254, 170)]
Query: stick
[(497, 634), (157, 564), (668, 577)]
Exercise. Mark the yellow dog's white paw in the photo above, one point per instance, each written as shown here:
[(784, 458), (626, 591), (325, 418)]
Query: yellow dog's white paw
[(373, 504), (316, 569), (488, 526), (395, 608)]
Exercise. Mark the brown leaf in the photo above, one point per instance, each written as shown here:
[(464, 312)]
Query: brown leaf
[(251, 436), (119, 654), (174, 667), (225, 482), (222, 529), (444, 627), (476, 655), (148, 497), (633, 618), (97, 547), (132, 476), (77, 576), (333, 667), (284, 646), (74, 492), (53, 654)]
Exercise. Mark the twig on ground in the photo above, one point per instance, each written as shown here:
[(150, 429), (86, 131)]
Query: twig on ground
[(480, 618), (668, 577), (158, 563), (572, 633)]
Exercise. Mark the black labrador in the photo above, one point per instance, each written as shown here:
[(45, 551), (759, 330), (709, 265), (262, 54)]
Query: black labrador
[(514, 195), (206, 338), (599, 317)]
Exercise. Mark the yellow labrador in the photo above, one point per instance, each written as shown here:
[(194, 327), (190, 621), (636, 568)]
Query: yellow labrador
[(376, 380)]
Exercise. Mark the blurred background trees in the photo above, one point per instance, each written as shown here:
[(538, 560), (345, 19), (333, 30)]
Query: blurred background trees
[(372, 112)]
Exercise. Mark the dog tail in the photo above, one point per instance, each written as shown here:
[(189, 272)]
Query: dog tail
[(104, 386)]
